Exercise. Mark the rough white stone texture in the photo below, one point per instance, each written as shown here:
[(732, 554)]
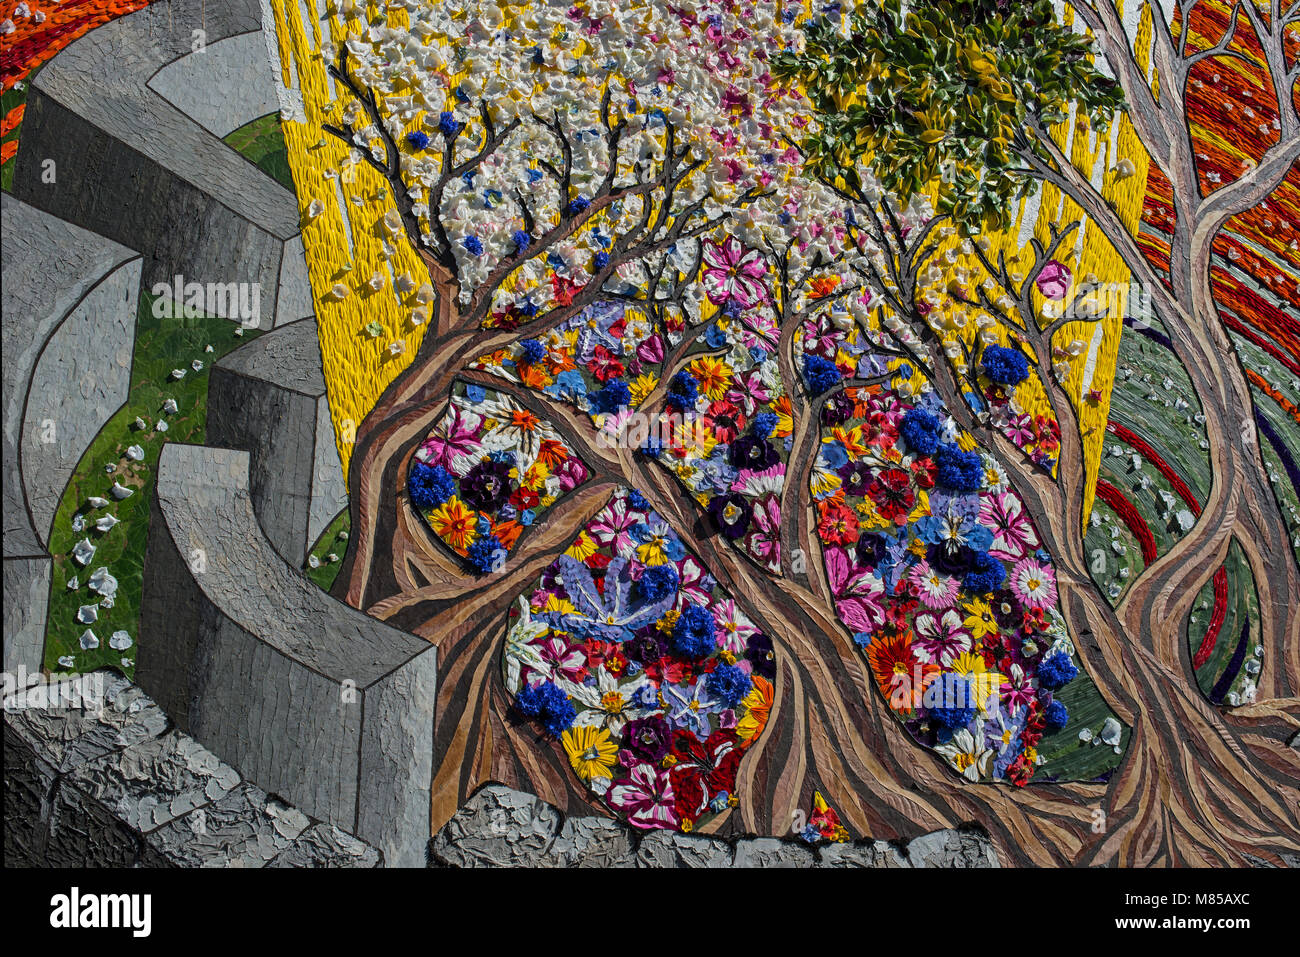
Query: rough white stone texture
[(69, 738), (861, 854), (499, 827), (268, 398), (324, 845), (773, 852), (246, 828), (156, 781), (50, 269), (82, 377), (82, 789), (223, 86), (671, 849), (310, 699), (951, 849)]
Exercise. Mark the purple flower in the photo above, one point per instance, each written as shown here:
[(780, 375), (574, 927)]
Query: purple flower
[(648, 737), (1054, 280), (730, 514), (486, 486)]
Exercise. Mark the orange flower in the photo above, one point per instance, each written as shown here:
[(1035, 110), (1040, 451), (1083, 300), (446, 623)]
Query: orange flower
[(508, 532), (823, 286), (758, 705), (552, 453), (523, 419), (454, 523)]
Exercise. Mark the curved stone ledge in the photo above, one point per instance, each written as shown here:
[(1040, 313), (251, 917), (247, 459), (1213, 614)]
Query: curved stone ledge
[(135, 168), (268, 398), (308, 698)]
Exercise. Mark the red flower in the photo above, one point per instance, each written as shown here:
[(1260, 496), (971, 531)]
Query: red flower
[(604, 365), (891, 490), (703, 771), (522, 498), (838, 524)]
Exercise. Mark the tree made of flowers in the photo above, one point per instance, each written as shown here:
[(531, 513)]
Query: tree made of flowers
[(678, 418)]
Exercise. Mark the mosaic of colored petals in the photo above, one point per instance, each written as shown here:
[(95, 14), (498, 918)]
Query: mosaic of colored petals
[(486, 472), (936, 568), (652, 678)]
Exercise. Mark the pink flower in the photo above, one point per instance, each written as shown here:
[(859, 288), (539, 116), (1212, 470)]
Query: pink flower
[(733, 273), (454, 444), (857, 593), (1034, 583), (1054, 280), (1013, 533), (646, 797), (940, 639), (765, 534), (610, 526)]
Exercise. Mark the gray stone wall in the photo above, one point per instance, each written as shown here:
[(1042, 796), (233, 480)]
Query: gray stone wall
[(114, 785), (135, 168), (501, 827), (268, 398), (307, 697)]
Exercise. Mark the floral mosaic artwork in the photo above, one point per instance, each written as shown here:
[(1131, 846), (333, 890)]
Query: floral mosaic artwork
[(652, 678), (487, 472), (760, 430)]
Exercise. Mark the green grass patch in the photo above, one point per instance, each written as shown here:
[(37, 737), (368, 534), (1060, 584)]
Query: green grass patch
[(161, 345), (262, 142), (332, 542)]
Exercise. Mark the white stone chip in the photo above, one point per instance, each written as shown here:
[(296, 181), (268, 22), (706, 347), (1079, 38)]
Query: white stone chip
[(105, 524), (88, 640), (120, 641), (102, 582), (87, 614), (1110, 731), (120, 491), (83, 552), (135, 453)]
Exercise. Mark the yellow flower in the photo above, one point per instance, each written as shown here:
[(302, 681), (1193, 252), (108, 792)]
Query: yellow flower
[(712, 374), (454, 524), (966, 441), (665, 624), (561, 605), (591, 752), (980, 622), (583, 547), (642, 386)]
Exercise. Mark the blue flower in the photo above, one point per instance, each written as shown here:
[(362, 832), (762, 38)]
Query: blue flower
[(957, 470), (429, 485), (417, 139), (1056, 716), (614, 396), (957, 705), (921, 431), (758, 354), (473, 244), (609, 615), (600, 260), (578, 205), (1005, 366), (693, 633), (486, 554), (834, 455), (521, 240), (548, 703), (1056, 671), (658, 582), (986, 574), (729, 684), (714, 336), (447, 124), (534, 350), (683, 390), (637, 501), (820, 373), (764, 423), (475, 394)]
